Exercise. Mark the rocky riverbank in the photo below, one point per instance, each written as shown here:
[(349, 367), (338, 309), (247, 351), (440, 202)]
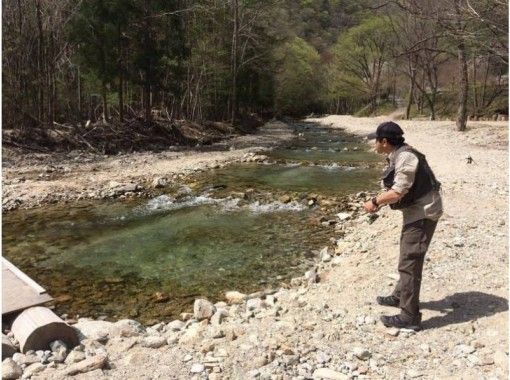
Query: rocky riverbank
[(324, 325), (33, 180)]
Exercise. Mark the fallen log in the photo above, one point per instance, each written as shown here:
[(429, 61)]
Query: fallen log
[(35, 328)]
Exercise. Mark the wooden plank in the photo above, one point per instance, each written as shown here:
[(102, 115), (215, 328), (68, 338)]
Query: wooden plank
[(19, 291)]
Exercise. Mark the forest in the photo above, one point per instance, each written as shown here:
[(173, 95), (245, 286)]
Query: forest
[(121, 63)]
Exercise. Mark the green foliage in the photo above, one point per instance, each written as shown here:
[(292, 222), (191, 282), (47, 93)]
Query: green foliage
[(298, 80)]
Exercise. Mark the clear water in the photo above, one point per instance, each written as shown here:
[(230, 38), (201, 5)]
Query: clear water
[(150, 259)]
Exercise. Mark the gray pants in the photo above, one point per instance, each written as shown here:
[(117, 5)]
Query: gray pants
[(414, 242)]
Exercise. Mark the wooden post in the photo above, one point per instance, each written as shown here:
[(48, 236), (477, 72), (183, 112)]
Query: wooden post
[(37, 327)]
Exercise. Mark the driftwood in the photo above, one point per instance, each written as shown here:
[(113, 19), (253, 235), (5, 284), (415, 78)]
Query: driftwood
[(8, 348), (37, 327)]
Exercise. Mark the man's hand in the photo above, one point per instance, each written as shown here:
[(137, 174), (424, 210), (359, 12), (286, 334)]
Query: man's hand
[(370, 207)]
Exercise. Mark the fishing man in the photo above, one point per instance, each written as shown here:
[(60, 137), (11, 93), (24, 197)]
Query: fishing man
[(410, 186)]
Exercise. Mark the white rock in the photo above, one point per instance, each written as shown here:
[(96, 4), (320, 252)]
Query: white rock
[(90, 364), (218, 317), (175, 325), (10, 369), (254, 304), (197, 368), (342, 216), (361, 353), (203, 309), (329, 374), (154, 342), (75, 357), (32, 369), (57, 346)]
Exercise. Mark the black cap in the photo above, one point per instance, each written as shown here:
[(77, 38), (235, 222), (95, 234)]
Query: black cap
[(388, 129)]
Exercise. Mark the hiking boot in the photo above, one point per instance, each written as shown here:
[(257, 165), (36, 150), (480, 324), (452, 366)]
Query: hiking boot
[(400, 323), (388, 301)]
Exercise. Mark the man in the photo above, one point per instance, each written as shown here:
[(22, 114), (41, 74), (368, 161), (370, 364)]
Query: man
[(412, 188)]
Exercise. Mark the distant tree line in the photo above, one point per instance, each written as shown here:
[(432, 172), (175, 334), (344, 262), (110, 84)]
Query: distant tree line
[(71, 61)]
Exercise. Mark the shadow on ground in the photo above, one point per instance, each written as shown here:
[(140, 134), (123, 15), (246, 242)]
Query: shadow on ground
[(463, 307)]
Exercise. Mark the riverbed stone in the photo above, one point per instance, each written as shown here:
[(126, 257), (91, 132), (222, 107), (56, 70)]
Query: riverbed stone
[(197, 368), (75, 357), (235, 297), (175, 325), (11, 369), (203, 309), (154, 341), (87, 365), (32, 369), (329, 374)]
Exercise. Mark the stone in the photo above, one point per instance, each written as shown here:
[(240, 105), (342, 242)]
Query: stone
[(159, 182), (90, 364), (361, 353), (186, 316), (254, 304), (197, 368), (324, 255), (500, 359), (218, 317), (203, 309), (154, 342), (75, 357), (235, 297), (343, 216), (25, 359), (32, 369), (175, 325), (58, 345), (329, 374), (285, 199), (11, 369), (311, 276)]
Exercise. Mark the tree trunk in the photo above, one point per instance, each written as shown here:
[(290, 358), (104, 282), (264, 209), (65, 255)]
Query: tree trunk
[(105, 101), (411, 93), (121, 76), (40, 62), (235, 37), (464, 87)]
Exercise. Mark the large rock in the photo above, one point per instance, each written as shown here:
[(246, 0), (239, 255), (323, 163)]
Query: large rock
[(90, 364), (10, 369), (103, 330), (203, 309)]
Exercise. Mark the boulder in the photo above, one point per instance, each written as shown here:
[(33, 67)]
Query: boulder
[(75, 357), (32, 369)]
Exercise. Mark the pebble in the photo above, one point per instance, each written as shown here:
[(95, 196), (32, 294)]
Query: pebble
[(361, 353), (197, 368), (154, 341), (203, 309)]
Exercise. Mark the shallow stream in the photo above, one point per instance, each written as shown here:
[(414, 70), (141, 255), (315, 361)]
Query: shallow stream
[(149, 259)]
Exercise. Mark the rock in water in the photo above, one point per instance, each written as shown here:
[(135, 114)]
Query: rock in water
[(203, 309)]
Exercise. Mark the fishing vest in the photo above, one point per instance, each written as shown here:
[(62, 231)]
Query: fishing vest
[(424, 180)]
